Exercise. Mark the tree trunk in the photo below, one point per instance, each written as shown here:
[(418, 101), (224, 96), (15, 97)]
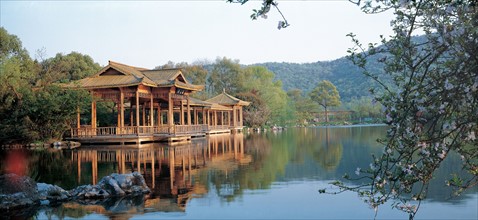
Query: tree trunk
[(326, 115)]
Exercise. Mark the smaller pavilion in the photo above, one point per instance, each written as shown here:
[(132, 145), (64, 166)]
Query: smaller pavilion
[(153, 105), (235, 105)]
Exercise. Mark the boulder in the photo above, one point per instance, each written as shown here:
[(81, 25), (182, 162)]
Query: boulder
[(88, 192), (20, 191), (113, 186), (17, 192), (52, 193)]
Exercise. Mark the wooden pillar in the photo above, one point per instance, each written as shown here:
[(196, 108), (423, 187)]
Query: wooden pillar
[(181, 113), (240, 116), (170, 111), (137, 107), (188, 108), (93, 114), (131, 116), (144, 114), (234, 116), (151, 112), (118, 115), (78, 115), (122, 107)]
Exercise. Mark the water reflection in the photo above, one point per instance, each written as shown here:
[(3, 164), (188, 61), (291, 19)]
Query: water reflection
[(223, 168), (170, 171)]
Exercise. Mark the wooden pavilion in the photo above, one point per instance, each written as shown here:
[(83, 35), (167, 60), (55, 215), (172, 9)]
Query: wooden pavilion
[(153, 105)]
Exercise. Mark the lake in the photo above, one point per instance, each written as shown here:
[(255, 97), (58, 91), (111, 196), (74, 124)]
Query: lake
[(269, 175)]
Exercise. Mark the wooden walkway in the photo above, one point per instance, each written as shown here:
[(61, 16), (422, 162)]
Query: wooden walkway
[(145, 134)]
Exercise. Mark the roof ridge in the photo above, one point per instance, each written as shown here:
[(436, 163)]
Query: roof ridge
[(174, 68), (122, 64)]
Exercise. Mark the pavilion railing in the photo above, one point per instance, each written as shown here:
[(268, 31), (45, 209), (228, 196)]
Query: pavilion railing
[(88, 131), (219, 127)]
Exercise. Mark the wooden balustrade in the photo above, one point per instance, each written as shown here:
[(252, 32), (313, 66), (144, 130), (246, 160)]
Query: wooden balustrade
[(87, 131), (219, 127)]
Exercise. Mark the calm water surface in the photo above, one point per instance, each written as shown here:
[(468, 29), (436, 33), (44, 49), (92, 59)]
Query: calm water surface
[(255, 176)]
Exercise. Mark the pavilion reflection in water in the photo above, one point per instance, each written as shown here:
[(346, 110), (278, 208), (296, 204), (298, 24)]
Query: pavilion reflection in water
[(169, 170)]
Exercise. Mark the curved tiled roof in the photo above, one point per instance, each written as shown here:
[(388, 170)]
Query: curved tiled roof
[(214, 106), (226, 99), (130, 76)]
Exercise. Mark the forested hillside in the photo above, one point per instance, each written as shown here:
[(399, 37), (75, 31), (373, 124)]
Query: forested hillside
[(347, 77)]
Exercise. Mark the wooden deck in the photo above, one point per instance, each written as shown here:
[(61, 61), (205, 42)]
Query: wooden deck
[(146, 134)]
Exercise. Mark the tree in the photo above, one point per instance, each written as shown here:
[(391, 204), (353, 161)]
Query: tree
[(259, 80), (256, 113), (17, 71), (195, 73), (65, 68), (224, 75), (303, 106), (326, 95), (365, 107), (32, 111), (434, 111)]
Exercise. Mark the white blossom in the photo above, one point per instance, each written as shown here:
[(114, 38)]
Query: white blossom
[(357, 171), (372, 167), (442, 154), (389, 118), (281, 23), (471, 136)]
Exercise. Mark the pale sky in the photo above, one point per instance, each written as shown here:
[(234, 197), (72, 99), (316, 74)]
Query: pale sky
[(151, 33)]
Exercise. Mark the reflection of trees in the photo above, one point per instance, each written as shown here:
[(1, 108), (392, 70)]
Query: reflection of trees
[(42, 165), (329, 156)]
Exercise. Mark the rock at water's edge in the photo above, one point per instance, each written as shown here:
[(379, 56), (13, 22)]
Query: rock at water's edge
[(17, 192), (21, 191)]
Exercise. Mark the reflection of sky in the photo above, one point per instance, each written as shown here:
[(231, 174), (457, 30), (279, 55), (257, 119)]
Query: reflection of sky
[(301, 200)]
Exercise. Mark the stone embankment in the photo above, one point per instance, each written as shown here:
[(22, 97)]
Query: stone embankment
[(18, 192)]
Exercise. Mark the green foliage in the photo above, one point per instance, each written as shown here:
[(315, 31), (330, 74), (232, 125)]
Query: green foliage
[(303, 106), (52, 110), (347, 77), (270, 103), (260, 80), (326, 95), (257, 112), (66, 68), (37, 113), (224, 75), (365, 107)]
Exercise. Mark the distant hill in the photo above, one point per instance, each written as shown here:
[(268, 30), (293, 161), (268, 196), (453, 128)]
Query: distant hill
[(347, 77)]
